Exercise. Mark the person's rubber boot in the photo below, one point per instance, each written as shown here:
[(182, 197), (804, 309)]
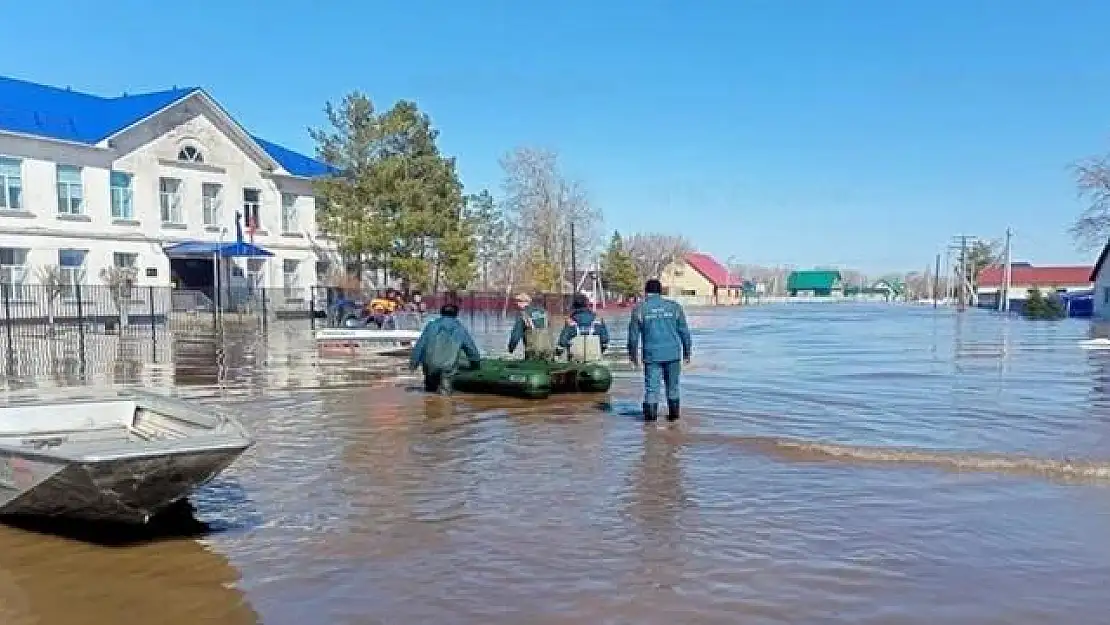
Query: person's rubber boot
[(445, 386), (651, 412), (672, 410)]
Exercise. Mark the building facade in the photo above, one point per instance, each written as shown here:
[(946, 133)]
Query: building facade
[(88, 183)]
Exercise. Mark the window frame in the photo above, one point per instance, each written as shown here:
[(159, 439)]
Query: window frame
[(121, 198), (169, 201), (213, 210), (69, 197), (11, 195)]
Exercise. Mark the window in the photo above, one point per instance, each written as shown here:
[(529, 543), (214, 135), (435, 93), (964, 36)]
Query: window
[(1106, 295), (13, 270), (288, 213), (190, 154), (255, 273), (72, 266), (211, 192), (11, 184), (290, 279), (169, 197), (689, 292), (252, 202), (70, 194), (125, 260), (121, 195)]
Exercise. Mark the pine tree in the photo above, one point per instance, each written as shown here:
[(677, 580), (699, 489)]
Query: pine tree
[(1037, 306), (618, 272)]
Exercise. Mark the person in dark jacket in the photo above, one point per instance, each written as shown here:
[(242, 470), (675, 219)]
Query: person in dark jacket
[(659, 337), (582, 320), (533, 328), (443, 346)]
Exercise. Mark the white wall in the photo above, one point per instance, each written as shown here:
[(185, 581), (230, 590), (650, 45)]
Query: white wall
[(1021, 291), (149, 151), (1102, 294)]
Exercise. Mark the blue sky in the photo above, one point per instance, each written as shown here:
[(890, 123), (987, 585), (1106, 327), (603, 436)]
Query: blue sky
[(855, 132)]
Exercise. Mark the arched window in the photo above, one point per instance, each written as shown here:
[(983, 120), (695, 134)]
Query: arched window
[(190, 154)]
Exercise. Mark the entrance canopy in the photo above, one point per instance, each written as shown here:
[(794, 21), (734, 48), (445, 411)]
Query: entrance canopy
[(208, 249)]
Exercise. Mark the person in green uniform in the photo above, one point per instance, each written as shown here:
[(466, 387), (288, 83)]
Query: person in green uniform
[(533, 329)]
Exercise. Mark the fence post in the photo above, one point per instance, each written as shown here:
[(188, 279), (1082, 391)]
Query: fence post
[(263, 307), (312, 308), (7, 294), (153, 323), (80, 321)]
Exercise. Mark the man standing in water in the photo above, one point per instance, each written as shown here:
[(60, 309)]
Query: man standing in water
[(532, 327), (443, 346), (658, 326)]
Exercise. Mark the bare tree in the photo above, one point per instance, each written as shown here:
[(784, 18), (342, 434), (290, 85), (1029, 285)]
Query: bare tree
[(540, 204), (1092, 228), (120, 281), (50, 277), (652, 252)]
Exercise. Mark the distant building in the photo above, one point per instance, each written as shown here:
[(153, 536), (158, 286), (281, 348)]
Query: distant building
[(816, 283), (1024, 276), (880, 291), (698, 279)]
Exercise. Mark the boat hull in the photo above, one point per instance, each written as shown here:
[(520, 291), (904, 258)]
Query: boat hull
[(122, 459), (124, 490)]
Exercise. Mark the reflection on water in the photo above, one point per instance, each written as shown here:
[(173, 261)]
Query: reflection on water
[(835, 463), (64, 577)]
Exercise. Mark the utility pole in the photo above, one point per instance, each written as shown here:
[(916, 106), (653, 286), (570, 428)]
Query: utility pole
[(1004, 287), (964, 282), (936, 282), (573, 259)]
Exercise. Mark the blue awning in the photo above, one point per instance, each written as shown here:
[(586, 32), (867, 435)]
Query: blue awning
[(208, 249)]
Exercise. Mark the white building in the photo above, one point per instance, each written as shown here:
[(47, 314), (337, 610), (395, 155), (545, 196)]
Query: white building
[(1100, 276), (88, 182)]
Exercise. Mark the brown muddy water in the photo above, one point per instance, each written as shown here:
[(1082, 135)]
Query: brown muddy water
[(836, 464)]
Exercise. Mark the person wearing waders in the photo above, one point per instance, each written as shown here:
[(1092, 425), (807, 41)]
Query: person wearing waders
[(533, 329), (584, 337), (659, 338), (442, 349)]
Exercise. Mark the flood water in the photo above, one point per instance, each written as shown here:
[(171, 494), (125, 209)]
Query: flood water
[(836, 463)]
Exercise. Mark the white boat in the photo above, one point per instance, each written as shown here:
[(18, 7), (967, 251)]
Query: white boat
[(1100, 343), (121, 458), (397, 341)]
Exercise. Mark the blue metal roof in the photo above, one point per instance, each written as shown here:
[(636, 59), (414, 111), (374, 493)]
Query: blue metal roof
[(208, 249), (294, 162), (54, 113)]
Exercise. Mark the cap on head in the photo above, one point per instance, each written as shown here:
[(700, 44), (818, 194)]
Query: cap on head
[(523, 298), (581, 301), (449, 310), (653, 286)]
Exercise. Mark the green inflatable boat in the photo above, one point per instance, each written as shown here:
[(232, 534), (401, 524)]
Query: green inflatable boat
[(533, 379)]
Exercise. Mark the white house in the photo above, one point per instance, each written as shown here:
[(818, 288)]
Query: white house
[(88, 182), (1100, 276)]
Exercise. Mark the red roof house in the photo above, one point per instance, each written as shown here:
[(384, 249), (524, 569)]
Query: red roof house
[(708, 266)]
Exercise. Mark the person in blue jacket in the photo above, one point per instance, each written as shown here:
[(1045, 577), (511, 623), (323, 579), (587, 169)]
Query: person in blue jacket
[(443, 346), (659, 337), (582, 319)]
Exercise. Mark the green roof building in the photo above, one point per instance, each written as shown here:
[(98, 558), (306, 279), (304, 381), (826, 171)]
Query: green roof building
[(817, 283)]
